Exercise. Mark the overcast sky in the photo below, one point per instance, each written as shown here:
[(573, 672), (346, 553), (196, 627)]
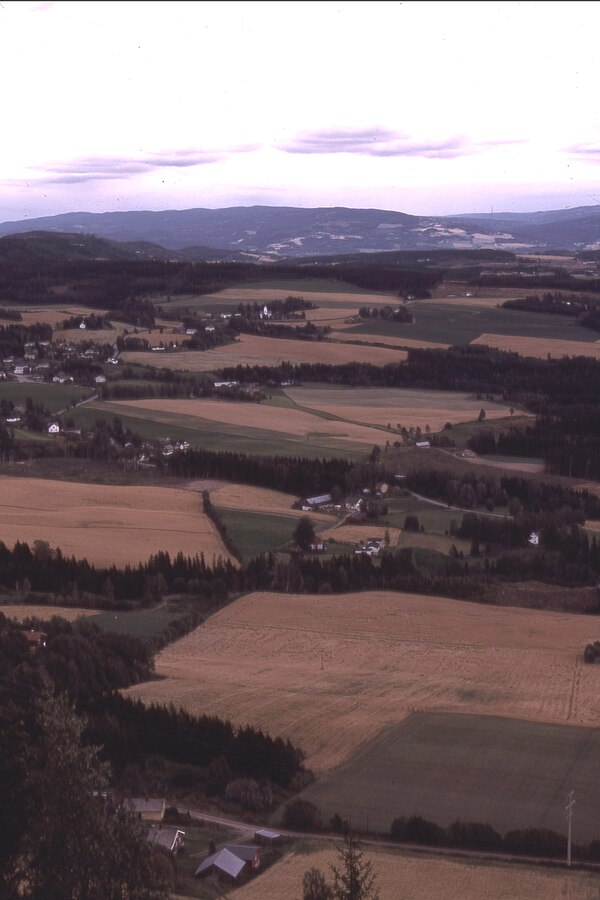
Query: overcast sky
[(423, 107)]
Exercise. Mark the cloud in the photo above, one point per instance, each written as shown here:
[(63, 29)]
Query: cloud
[(104, 168), (585, 151), (382, 142)]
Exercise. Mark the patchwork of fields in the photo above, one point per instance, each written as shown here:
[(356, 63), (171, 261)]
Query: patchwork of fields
[(106, 524), (331, 672)]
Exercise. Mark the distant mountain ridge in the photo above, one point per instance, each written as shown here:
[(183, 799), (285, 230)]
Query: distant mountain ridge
[(271, 232)]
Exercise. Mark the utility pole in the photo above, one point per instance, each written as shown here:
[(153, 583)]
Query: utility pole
[(569, 811)]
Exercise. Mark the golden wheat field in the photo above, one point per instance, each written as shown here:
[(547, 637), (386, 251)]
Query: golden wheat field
[(251, 350), (106, 524), (257, 499), (292, 422), (422, 876), (409, 407), (540, 348), (330, 672), (21, 612)]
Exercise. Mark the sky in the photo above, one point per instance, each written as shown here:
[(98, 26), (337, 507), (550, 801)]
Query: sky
[(421, 107)]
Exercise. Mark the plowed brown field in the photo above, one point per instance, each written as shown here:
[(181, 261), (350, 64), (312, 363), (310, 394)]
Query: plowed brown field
[(330, 672), (106, 524)]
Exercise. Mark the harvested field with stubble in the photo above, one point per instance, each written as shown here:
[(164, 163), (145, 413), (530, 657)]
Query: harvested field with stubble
[(383, 655), (251, 350), (540, 348), (292, 423), (419, 876), (106, 524), (409, 407), (256, 499)]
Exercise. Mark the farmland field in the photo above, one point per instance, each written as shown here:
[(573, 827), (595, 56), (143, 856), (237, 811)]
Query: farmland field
[(106, 524), (226, 495), (262, 420), (541, 347), (451, 323), (383, 655), (389, 340), (316, 290), (54, 396), (251, 350), (412, 876), (210, 434), (257, 532), (359, 534), (509, 773), (409, 407)]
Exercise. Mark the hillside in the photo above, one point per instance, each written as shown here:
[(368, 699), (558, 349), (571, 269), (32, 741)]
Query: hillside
[(277, 232)]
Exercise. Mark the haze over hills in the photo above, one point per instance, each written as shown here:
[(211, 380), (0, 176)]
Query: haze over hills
[(277, 232)]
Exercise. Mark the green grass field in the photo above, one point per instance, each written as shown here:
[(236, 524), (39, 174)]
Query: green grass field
[(144, 623), (255, 533), (435, 519), (53, 396), (455, 324), (508, 773)]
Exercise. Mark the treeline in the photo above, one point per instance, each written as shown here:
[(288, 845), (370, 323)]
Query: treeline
[(482, 836), (90, 665), (93, 322), (199, 741), (307, 332), (14, 337), (293, 475), (387, 313), (558, 279), (586, 310), (215, 518), (567, 438), (518, 493), (79, 659), (472, 368), (48, 574)]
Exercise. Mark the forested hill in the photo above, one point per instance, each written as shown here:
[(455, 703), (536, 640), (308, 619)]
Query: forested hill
[(278, 232)]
